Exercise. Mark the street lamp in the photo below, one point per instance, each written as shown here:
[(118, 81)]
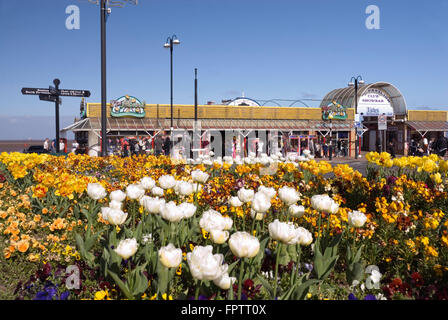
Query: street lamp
[(170, 42), (354, 81)]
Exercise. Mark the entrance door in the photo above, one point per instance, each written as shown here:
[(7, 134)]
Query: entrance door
[(372, 140)]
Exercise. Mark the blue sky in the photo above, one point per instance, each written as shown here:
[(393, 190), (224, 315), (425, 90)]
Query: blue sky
[(268, 49)]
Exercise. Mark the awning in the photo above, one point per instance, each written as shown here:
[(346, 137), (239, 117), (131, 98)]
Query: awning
[(424, 127), (151, 124)]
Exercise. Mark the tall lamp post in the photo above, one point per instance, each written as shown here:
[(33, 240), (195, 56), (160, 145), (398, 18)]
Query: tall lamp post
[(355, 81), (170, 42)]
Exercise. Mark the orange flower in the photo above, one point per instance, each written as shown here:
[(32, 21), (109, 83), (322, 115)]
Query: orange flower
[(44, 211), (39, 191), (23, 245), (58, 224), (37, 218)]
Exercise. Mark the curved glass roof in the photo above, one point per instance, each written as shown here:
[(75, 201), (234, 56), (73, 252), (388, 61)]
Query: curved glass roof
[(345, 96)]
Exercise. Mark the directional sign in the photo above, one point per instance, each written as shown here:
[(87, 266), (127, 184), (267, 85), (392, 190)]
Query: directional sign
[(35, 91), (53, 90), (49, 97), (74, 93), (62, 92)]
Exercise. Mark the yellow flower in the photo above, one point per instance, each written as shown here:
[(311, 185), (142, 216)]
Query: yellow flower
[(102, 295), (164, 297), (437, 178)]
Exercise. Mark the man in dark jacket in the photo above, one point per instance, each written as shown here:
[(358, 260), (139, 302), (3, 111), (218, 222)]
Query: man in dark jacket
[(166, 145)]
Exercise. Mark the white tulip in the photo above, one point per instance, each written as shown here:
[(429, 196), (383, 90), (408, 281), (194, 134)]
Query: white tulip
[(171, 212), (200, 176), (96, 191), (244, 245), (296, 210), (116, 216), (204, 265), (157, 191), (227, 223), (356, 219), (117, 195), (115, 204), (184, 188), (167, 182), (322, 202), (147, 183), (288, 195), (105, 212), (270, 192), (235, 202), (127, 248), (261, 202), (219, 236), (188, 209), (152, 205), (305, 237), (170, 256), (246, 195), (213, 220), (283, 232), (134, 191), (224, 281), (228, 160)]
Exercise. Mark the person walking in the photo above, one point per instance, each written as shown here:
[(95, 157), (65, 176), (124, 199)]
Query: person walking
[(158, 145)]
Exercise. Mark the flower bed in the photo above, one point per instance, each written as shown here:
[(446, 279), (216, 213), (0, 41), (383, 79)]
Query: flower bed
[(261, 228)]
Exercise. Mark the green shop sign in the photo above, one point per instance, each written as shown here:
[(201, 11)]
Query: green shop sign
[(334, 111), (127, 106)]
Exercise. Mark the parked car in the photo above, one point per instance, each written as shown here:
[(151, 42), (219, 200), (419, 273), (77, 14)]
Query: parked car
[(35, 149)]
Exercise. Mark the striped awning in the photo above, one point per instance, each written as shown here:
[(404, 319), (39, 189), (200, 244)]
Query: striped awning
[(429, 125), (151, 124)]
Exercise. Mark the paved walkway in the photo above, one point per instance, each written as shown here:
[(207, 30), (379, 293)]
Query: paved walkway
[(359, 164)]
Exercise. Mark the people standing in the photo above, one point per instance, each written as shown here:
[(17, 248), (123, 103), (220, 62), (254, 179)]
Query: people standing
[(47, 144), (391, 148), (61, 145), (425, 146), (166, 145), (158, 144)]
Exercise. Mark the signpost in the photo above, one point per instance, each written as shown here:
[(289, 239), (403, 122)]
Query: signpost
[(382, 127), (53, 94)]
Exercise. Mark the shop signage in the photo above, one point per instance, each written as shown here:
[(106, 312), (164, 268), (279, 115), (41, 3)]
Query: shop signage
[(334, 111), (127, 106), (382, 122), (375, 102)]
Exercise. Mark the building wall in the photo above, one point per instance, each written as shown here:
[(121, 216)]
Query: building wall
[(224, 112), (427, 115)]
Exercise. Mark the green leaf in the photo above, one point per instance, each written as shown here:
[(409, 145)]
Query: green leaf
[(122, 285), (162, 278), (292, 252), (354, 272), (231, 266), (302, 290), (266, 285)]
